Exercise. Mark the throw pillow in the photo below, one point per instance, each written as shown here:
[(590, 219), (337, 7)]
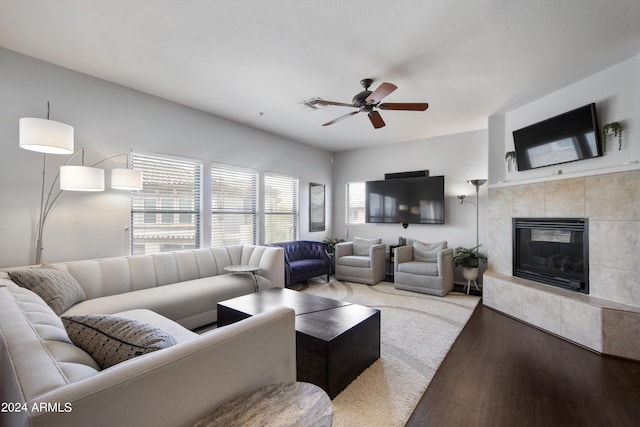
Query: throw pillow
[(427, 252), (59, 289), (112, 339), (361, 246)]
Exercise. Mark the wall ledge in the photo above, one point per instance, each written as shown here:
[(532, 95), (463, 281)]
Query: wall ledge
[(554, 175)]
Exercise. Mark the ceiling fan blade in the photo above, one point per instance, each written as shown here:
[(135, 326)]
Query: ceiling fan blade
[(376, 119), (410, 106), (383, 90), (341, 104), (341, 118)]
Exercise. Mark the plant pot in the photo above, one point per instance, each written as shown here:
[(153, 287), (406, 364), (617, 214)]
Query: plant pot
[(470, 273)]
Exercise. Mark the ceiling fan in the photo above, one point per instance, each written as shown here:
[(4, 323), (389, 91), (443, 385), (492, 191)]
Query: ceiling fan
[(367, 100)]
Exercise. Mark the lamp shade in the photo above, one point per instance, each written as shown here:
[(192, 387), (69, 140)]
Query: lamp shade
[(126, 179), (81, 178), (46, 136)]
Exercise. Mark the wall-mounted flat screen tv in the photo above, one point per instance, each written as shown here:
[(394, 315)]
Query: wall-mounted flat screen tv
[(565, 138), (405, 200)]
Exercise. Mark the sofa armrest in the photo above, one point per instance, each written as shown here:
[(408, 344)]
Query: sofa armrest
[(179, 385), (402, 254), (378, 255), (343, 249), (445, 265)]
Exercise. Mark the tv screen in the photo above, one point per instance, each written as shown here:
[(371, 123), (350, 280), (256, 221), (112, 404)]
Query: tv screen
[(565, 138), (405, 200)]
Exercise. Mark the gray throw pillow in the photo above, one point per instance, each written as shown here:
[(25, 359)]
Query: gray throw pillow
[(427, 252), (112, 339), (59, 289), (361, 246)]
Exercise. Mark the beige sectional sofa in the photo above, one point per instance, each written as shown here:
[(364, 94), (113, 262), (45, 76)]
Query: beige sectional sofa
[(181, 285), (45, 380)]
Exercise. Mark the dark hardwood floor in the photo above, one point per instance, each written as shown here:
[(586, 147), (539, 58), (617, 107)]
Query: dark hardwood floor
[(501, 372)]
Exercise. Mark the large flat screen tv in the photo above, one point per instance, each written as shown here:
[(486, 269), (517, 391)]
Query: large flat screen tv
[(405, 200), (565, 138)]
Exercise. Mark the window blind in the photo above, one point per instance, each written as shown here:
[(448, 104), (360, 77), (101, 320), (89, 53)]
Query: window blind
[(165, 214), (280, 208), (355, 202), (234, 206)]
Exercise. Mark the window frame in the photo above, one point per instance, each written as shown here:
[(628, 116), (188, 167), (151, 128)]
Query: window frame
[(255, 212), (295, 207), (152, 166), (348, 216)]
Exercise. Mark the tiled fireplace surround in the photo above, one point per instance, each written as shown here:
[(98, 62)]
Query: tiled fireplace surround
[(608, 319)]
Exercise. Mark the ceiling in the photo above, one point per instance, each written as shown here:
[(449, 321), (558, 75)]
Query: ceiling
[(256, 62)]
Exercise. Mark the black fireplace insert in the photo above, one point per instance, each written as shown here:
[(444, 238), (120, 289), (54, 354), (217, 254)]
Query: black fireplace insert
[(554, 251)]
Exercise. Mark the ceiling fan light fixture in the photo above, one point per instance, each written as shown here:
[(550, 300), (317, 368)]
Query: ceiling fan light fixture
[(367, 100)]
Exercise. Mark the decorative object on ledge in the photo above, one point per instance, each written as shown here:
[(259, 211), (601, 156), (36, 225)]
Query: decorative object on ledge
[(510, 158), (49, 137), (316, 207), (614, 128)]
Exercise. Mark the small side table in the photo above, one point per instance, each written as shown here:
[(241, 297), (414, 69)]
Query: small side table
[(288, 404), (251, 269)]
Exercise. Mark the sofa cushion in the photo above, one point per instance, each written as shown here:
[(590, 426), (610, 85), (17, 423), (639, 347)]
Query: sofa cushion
[(419, 267), (113, 339), (355, 261), (427, 252), (305, 264), (57, 288), (361, 246)]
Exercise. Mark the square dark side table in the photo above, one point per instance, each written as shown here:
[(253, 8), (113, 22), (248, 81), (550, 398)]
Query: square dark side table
[(335, 340)]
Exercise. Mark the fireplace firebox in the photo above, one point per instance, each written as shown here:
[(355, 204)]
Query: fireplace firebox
[(554, 251)]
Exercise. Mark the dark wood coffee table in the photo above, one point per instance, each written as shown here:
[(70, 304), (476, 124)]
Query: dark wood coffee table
[(335, 340)]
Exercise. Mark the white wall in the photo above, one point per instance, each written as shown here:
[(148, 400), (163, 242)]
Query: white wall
[(458, 157), (615, 91), (110, 119)]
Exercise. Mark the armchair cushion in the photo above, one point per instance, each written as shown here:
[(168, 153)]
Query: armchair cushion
[(361, 247), (427, 252), (355, 261), (419, 267)]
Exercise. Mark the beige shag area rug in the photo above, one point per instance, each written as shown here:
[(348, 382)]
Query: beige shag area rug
[(417, 331)]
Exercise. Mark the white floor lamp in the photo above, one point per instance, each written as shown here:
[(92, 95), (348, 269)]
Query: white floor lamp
[(51, 137), (476, 183)]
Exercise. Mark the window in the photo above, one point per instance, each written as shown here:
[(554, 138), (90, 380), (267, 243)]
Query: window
[(355, 202), (234, 206), (280, 208), (165, 214)]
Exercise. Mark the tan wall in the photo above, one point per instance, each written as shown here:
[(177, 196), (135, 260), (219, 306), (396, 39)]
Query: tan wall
[(611, 202)]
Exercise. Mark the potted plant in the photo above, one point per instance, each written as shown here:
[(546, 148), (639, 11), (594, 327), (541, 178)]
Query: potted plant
[(331, 243), (469, 259), (614, 128)]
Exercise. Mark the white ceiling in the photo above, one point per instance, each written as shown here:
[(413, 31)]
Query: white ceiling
[(256, 61)]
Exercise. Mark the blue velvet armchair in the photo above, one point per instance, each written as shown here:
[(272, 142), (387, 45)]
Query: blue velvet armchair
[(304, 259)]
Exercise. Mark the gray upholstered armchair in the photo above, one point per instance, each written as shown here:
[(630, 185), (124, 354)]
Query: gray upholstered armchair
[(424, 267), (362, 261)]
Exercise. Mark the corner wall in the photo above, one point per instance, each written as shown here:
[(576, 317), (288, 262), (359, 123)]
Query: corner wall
[(110, 119), (605, 190)]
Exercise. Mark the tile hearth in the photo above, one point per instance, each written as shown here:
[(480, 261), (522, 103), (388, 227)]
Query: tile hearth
[(608, 319), (600, 325)]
